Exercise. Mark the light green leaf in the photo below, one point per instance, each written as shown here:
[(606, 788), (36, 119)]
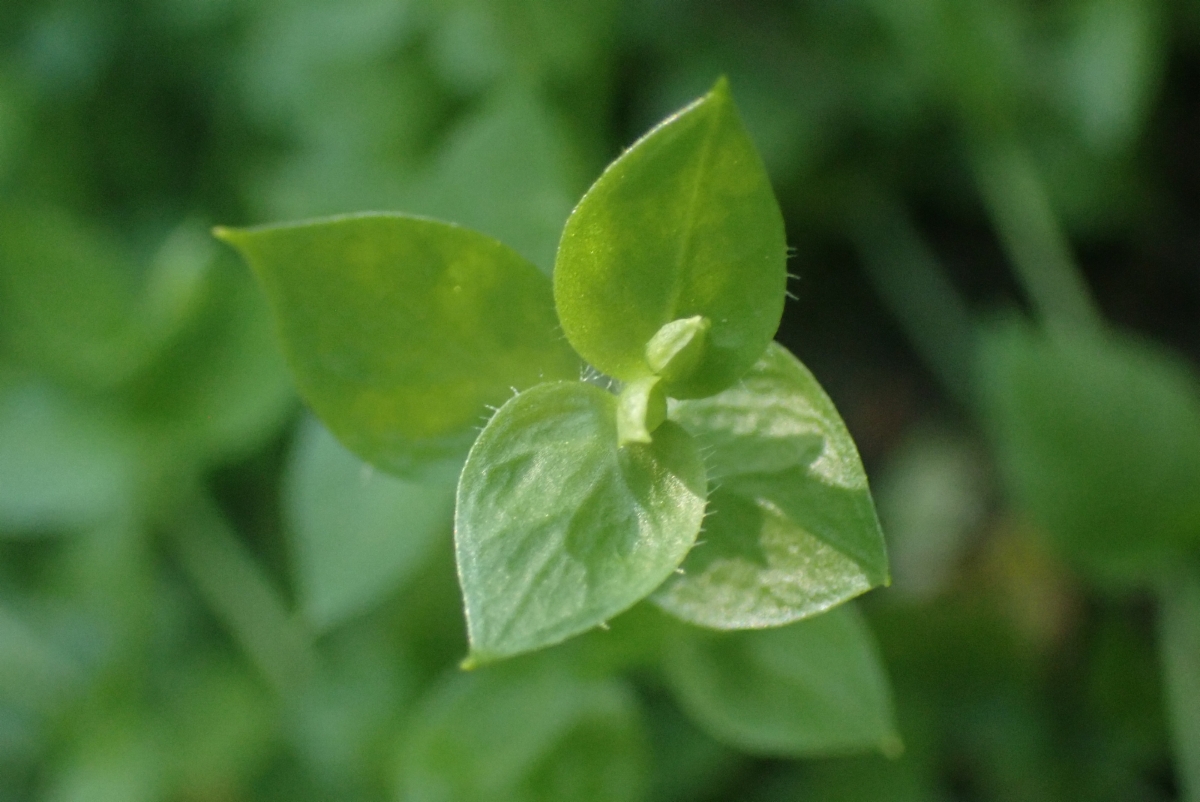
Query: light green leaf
[(1111, 63), (753, 567), (63, 464), (120, 759), (777, 417), (684, 224), (557, 528), (792, 529), (358, 534), (1098, 438), (35, 672), (816, 687), (400, 331), (524, 733), (1179, 645)]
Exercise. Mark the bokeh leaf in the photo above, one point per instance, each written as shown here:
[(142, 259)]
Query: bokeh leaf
[(1111, 63), (1098, 438), (792, 529), (220, 388), (557, 528), (401, 330), (816, 687), (524, 732), (69, 299), (684, 223), (64, 464), (357, 533), (503, 172)]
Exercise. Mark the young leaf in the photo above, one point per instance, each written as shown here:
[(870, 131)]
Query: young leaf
[(358, 532), (816, 687), (683, 225), (557, 528), (792, 530), (528, 732), (1098, 437), (401, 331)]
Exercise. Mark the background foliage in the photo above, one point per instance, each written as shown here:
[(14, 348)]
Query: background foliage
[(202, 597)]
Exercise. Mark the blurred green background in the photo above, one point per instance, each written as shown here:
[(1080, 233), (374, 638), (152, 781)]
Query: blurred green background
[(995, 212)]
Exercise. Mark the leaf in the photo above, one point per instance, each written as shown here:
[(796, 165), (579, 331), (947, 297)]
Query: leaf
[(1111, 63), (524, 733), (791, 530), (117, 759), (358, 534), (1098, 438), (220, 389), (221, 729), (683, 224), (557, 528), (400, 331), (816, 687), (68, 297), (1179, 645), (502, 173), (755, 568), (63, 464)]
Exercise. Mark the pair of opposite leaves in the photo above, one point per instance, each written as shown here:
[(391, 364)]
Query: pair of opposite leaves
[(403, 332)]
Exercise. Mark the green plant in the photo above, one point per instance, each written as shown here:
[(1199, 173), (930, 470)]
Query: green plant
[(664, 449)]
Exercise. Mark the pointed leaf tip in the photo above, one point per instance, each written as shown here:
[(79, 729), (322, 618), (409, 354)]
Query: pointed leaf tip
[(364, 303), (683, 225)]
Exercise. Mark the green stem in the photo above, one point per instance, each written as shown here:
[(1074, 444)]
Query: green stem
[(1029, 231), (241, 595), (908, 277)]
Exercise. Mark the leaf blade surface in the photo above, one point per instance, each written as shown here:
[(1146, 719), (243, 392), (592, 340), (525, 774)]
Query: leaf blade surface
[(816, 687), (792, 529), (557, 528), (683, 224), (400, 331)]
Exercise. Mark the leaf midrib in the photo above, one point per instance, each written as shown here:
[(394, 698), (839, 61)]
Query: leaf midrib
[(685, 245)]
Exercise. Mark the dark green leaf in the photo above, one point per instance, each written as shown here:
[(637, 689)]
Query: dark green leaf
[(69, 299), (557, 528), (358, 533), (400, 331), (524, 733), (816, 687), (220, 389), (792, 530), (1098, 437), (684, 224)]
